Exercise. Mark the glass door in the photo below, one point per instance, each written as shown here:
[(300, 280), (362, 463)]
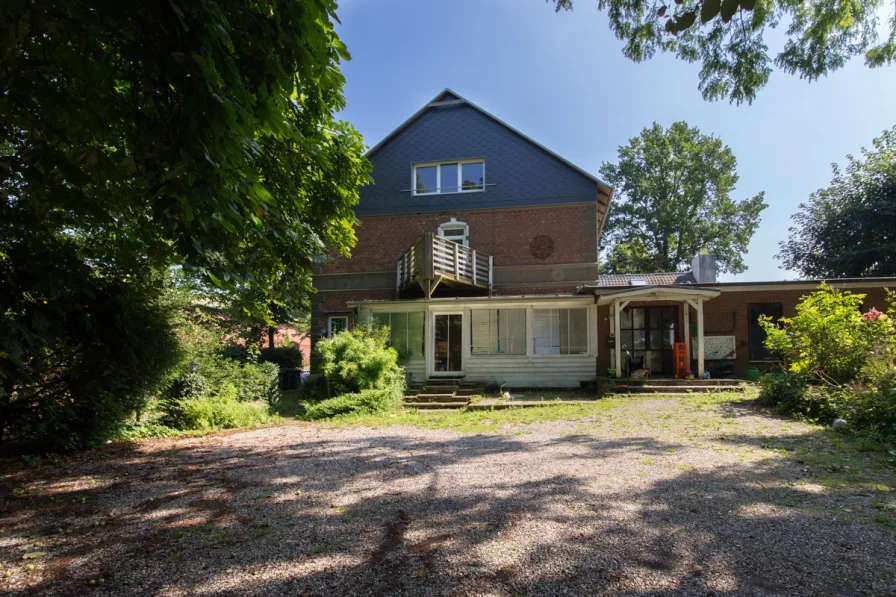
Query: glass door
[(649, 332), (447, 343)]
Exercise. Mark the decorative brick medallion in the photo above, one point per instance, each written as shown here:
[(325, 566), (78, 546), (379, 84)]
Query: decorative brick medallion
[(542, 246)]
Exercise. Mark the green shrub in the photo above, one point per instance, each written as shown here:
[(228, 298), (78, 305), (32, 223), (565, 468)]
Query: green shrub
[(839, 363), (359, 359), (365, 401), (794, 394), (872, 408), (253, 381), (212, 412), (289, 356), (830, 339), (80, 354), (259, 382), (189, 385)]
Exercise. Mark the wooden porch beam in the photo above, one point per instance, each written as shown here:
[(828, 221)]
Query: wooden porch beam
[(700, 364), (618, 334), (687, 331)]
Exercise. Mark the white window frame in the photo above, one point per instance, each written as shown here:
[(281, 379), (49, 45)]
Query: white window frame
[(330, 323), (460, 176), (587, 352), (455, 225)]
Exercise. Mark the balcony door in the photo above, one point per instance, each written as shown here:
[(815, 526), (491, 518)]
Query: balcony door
[(447, 343)]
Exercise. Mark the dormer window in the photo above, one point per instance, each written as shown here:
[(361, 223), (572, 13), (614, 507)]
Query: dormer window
[(458, 176)]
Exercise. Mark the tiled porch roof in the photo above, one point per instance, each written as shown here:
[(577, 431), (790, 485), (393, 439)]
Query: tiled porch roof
[(656, 279)]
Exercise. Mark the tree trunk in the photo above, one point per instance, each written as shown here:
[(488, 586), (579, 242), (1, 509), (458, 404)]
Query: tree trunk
[(271, 331)]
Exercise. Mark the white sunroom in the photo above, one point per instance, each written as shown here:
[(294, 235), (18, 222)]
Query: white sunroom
[(528, 341)]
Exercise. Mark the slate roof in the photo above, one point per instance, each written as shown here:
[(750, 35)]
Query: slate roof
[(656, 279), (448, 97)]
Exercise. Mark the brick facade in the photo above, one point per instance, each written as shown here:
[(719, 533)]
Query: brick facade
[(505, 234)]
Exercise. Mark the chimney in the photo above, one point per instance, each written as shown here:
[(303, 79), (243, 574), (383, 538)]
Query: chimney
[(704, 269)]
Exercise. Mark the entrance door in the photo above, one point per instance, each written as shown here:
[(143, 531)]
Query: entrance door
[(650, 332), (447, 344)]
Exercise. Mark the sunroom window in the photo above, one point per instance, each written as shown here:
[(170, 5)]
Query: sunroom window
[(561, 331), (449, 177), (406, 331), (498, 331)]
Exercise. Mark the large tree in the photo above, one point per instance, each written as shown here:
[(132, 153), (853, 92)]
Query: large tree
[(673, 200), (849, 228), (136, 136), (728, 37), (191, 133)]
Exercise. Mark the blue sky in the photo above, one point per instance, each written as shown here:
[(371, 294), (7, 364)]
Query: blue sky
[(562, 80)]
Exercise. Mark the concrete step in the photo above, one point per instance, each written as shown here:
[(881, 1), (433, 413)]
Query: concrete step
[(654, 381), (436, 398), (674, 389), (693, 382), (435, 405), (436, 395)]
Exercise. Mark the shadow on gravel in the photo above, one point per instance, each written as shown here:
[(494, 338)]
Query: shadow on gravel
[(394, 514)]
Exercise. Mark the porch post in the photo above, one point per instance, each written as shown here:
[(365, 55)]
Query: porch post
[(700, 368), (687, 331), (618, 338)]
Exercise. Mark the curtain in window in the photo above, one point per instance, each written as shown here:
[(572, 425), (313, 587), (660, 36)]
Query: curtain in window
[(498, 331), (560, 331)]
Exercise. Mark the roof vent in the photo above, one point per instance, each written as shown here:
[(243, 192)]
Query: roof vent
[(637, 282)]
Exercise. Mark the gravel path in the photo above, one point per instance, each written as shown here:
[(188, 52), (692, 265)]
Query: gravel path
[(652, 497)]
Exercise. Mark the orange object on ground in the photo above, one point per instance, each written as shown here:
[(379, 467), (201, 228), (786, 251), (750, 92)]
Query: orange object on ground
[(680, 359)]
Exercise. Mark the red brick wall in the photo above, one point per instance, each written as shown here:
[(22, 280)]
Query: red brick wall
[(726, 315), (336, 301), (504, 234)]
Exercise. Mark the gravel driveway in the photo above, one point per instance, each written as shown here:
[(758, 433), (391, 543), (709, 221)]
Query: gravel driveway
[(697, 496)]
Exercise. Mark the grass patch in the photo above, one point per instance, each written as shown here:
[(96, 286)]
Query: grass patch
[(477, 421)]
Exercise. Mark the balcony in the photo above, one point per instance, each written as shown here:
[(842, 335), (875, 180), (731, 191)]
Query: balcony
[(432, 261)]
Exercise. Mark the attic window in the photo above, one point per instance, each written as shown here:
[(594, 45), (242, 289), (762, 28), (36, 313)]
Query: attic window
[(637, 282), (459, 176)]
